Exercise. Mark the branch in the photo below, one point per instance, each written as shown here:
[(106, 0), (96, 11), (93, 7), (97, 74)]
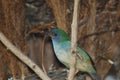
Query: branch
[(23, 58), (74, 28)]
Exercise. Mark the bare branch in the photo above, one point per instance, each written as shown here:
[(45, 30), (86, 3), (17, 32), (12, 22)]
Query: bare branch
[(22, 57), (74, 28)]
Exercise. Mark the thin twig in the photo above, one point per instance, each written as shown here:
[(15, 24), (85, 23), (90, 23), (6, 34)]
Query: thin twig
[(74, 27), (43, 48), (22, 57)]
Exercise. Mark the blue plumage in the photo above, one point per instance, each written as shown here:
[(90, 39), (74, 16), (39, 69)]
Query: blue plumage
[(61, 43)]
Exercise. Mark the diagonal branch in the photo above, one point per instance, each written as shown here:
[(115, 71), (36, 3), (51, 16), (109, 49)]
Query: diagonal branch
[(74, 28), (22, 57)]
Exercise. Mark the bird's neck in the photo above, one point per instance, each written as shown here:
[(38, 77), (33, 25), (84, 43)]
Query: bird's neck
[(60, 39)]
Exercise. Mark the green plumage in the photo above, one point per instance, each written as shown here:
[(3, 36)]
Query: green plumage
[(62, 44)]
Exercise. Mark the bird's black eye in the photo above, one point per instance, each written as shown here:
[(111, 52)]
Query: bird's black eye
[(54, 34)]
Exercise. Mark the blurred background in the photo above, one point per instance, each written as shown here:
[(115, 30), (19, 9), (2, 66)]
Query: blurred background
[(24, 23)]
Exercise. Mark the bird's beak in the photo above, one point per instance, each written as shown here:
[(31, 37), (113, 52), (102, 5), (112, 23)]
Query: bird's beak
[(50, 34)]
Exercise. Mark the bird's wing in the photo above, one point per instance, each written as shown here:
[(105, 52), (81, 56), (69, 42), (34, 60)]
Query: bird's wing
[(84, 55), (81, 53)]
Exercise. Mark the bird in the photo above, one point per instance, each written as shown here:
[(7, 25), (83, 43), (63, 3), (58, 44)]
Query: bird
[(62, 45)]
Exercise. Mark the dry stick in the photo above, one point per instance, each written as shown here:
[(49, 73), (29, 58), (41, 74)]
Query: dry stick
[(74, 40), (22, 57), (43, 47)]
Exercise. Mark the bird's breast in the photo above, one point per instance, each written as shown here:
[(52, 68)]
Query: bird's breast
[(62, 51)]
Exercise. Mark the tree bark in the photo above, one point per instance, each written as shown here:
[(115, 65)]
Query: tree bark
[(12, 24), (59, 8)]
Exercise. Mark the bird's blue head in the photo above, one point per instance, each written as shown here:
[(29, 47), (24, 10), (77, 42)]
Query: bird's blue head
[(58, 35)]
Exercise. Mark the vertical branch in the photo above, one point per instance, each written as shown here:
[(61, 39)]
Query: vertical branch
[(91, 24), (74, 28), (60, 11)]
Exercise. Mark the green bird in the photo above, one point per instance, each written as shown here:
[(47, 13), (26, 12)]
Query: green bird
[(62, 45)]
